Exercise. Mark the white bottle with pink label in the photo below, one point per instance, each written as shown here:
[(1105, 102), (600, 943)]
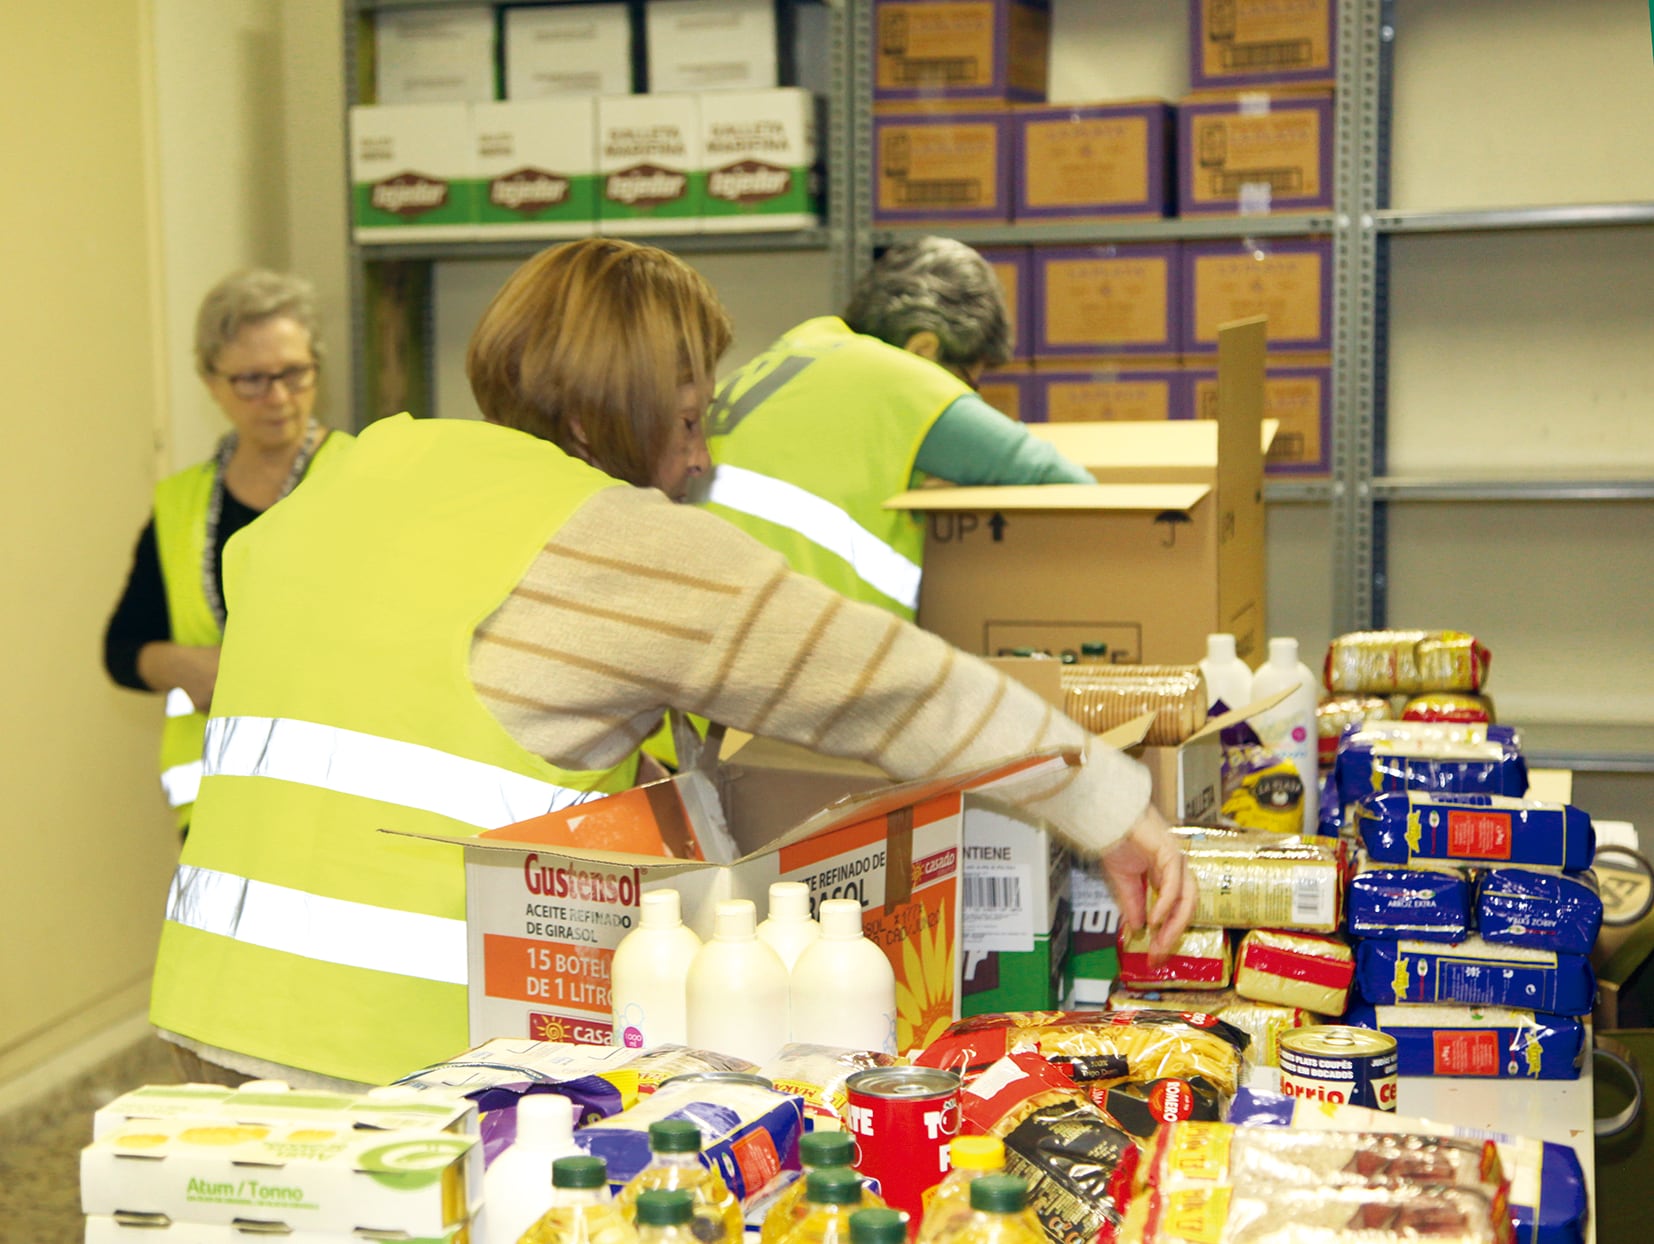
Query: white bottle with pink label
[(649, 974), (1289, 729)]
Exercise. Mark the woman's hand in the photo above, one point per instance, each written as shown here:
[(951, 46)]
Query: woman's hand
[(164, 666), (1149, 859)]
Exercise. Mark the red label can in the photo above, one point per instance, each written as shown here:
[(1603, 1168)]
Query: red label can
[(902, 1119)]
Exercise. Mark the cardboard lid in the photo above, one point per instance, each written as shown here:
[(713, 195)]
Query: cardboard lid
[(1108, 448), (1132, 733), (1147, 498)]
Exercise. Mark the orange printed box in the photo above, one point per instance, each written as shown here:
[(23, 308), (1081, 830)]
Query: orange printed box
[(971, 51), (1013, 391), (934, 167), (1113, 395), (1262, 42), (1289, 280), (1103, 301), (1255, 153), (1014, 266), (1093, 161), (1299, 399)]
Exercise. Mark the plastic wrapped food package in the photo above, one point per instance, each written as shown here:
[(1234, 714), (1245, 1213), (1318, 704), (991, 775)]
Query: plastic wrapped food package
[(1547, 911), (1448, 706), (1263, 1022), (1200, 960), (1405, 662), (1282, 1214), (1475, 973), (1260, 880), (817, 1074), (1494, 1041), (1426, 903), (1336, 714), (1295, 969), (1369, 766), (1101, 697), (1398, 827)]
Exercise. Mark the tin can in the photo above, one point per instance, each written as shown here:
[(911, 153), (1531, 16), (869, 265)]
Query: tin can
[(718, 1077), (902, 1119), (1340, 1064)]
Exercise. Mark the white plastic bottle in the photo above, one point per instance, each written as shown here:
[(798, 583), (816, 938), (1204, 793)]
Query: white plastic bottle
[(648, 975), (843, 988), (1228, 678), (516, 1188), (1289, 728), (737, 990), (789, 929)]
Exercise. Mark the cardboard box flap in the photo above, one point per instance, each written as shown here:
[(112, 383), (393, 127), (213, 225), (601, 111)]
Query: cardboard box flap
[(1235, 716), (1151, 498), (1113, 451)]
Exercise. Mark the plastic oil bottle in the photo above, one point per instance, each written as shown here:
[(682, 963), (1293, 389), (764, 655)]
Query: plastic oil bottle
[(517, 1184), (949, 1202), (1228, 678), (816, 1150), (843, 989), (1289, 729), (878, 1226), (737, 989), (675, 1162), (649, 975), (999, 1215), (831, 1195), (581, 1211), (788, 929), (666, 1216)]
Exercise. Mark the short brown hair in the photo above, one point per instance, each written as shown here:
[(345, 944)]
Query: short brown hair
[(598, 334)]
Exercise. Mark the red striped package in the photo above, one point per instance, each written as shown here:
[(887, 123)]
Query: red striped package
[(1295, 969)]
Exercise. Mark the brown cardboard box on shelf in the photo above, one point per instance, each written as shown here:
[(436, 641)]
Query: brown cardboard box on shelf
[(1254, 153), (960, 52), (941, 168), (1166, 548), (1012, 390), (1234, 43), (1297, 394)]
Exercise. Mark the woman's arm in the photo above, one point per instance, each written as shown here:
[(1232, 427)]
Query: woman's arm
[(138, 651), (972, 443)]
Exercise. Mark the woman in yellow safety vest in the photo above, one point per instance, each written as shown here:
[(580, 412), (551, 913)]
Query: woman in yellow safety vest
[(469, 623), (258, 353)]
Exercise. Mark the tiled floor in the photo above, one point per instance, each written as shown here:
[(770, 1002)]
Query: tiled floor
[(40, 1146)]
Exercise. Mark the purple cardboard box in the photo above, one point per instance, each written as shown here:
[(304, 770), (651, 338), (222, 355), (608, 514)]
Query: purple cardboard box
[(1109, 394), (941, 166), (1237, 43), (984, 51), (1094, 161), (1122, 300), (1255, 154), (1287, 279), (1300, 399), (1013, 392), (1014, 266)]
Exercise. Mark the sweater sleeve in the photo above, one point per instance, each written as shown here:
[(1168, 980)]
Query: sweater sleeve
[(637, 605), (141, 616), (972, 443)]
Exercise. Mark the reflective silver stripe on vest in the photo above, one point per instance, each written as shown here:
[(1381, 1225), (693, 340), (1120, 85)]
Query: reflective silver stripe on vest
[(179, 703), (182, 783), (332, 930), (406, 774), (820, 522)]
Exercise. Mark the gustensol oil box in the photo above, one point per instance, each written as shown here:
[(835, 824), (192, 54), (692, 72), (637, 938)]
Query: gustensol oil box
[(412, 173), (760, 155), (536, 166), (649, 160)]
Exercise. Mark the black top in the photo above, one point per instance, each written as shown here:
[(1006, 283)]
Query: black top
[(142, 616)]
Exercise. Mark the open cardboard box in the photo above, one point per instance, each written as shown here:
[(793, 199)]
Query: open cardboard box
[(1165, 549)]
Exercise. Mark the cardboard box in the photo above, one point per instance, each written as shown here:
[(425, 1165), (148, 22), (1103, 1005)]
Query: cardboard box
[(649, 158), (711, 45), (1013, 390), (1108, 301), (1015, 904), (1094, 936), (411, 1109), (1094, 161), (1113, 394), (760, 153), (547, 900), (1014, 266), (434, 55), (934, 167), (1299, 399), (973, 51), (137, 1229), (412, 173), (1253, 154), (1166, 549), (536, 165), (1286, 280), (566, 49), (1262, 42)]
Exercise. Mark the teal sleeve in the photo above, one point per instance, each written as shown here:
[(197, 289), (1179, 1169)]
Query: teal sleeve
[(972, 443)]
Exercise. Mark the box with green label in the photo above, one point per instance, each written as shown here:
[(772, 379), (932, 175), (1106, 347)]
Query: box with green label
[(1015, 907), (759, 150), (412, 173), (536, 167), (261, 1102), (649, 159)]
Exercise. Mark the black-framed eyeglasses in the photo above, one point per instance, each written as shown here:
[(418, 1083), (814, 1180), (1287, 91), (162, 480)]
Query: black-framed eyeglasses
[(253, 386)]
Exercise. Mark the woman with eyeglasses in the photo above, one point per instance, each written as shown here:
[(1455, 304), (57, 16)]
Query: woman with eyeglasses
[(258, 352)]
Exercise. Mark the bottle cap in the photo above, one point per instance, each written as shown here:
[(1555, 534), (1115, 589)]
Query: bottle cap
[(789, 900), (665, 1207), (841, 919), (735, 920), (998, 1194), (1283, 651), (1220, 647), (674, 1136), (662, 909), (544, 1120), (1093, 648), (976, 1153), (827, 1149), (878, 1226), (833, 1185), (583, 1172)]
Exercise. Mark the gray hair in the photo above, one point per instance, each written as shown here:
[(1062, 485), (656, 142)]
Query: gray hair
[(252, 297), (935, 285)]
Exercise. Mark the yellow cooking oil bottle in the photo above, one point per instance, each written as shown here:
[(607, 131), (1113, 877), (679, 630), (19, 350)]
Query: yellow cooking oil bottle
[(999, 1215), (831, 1195), (675, 1162), (815, 1150), (581, 1212), (878, 1226), (666, 1216), (969, 1158)]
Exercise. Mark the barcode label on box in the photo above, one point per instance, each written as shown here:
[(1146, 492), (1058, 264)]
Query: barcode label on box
[(997, 910), (1314, 896)]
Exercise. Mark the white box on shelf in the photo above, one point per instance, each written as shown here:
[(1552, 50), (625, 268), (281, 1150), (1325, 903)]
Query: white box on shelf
[(649, 160), (567, 50), (711, 45), (412, 173), (760, 150), (536, 163), (434, 56)]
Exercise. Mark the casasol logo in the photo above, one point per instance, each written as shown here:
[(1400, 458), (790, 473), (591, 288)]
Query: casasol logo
[(528, 190), (645, 185), (749, 181), (408, 194)]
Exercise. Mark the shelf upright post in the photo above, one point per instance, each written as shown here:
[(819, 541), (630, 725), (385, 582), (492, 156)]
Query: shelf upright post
[(858, 251), (842, 149), (361, 386)]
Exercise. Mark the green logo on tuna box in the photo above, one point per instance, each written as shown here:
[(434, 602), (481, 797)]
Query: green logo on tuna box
[(409, 1165), (645, 185), (409, 194)]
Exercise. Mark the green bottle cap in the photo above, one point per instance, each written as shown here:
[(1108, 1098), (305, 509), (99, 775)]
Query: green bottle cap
[(674, 1136), (998, 1194), (1094, 648), (832, 1185), (665, 1207), (581, 1172), (878, 1226), (827, 1149)]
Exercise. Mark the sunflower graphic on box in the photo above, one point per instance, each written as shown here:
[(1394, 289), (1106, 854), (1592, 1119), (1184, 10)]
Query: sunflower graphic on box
[(918, 939)]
